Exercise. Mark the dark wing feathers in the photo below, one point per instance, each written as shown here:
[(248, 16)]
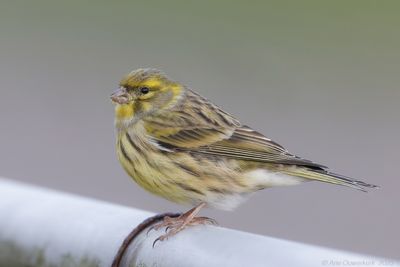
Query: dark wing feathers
[(240, 143), (247, 144), (199, 126)]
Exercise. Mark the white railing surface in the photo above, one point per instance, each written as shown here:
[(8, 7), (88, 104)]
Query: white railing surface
[(42, 227)]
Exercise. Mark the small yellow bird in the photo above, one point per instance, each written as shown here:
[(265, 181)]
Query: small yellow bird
[(178, 145)]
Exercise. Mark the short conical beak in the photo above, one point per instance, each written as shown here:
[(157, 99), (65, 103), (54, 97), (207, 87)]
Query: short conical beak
[(120, 96)]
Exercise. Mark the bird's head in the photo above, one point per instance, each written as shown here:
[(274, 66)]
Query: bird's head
[(144, 92)]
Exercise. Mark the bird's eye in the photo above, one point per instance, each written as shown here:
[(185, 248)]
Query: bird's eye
[(144, 90)]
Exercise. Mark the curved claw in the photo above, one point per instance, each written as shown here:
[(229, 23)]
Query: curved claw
[(155, 241), (166, 221), (160, 238), (204, 220), (149, 230), (155, 228), (174, 225), (212, 221)]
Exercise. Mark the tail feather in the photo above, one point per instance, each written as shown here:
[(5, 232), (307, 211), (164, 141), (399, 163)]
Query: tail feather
[(329, 177)]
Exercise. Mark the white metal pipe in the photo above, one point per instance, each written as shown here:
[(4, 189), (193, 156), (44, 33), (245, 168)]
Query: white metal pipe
[(48, 228)]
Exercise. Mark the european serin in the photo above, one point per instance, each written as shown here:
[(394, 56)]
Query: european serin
[(178, 145)]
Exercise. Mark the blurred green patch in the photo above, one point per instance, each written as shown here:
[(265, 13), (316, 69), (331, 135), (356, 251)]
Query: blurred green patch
[(12, 255)]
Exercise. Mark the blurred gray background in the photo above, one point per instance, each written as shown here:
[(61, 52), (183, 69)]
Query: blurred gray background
[(320, 77)]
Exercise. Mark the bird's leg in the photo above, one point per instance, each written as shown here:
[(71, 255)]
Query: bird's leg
[(175, 225)]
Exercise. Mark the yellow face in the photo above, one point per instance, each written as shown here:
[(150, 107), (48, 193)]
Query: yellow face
[(144, 92)]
